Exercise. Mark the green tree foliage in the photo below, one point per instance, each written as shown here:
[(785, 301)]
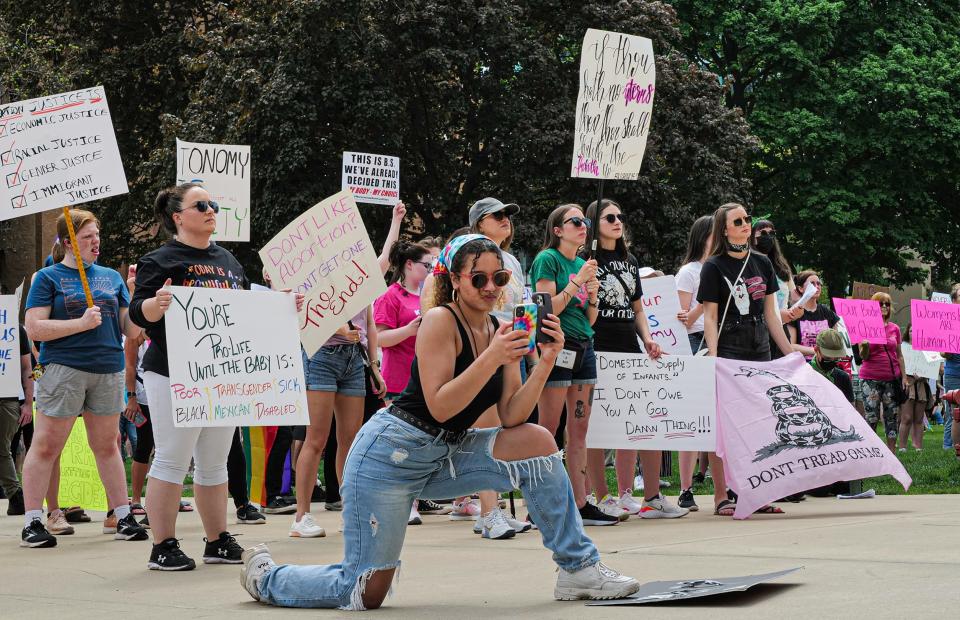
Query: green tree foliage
[(856, 105)]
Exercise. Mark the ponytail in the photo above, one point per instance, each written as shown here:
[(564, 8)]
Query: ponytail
[(168, 202), (400, 253)]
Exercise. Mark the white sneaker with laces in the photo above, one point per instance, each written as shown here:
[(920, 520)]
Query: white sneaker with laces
[(518, 526), (595, 582), (256, 563), (660, 508), (495, 526), (467, 510), (306, 527), (414, 515), (629, 504), (611, 506)]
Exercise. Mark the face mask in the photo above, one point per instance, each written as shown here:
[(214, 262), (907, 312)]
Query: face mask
[(828, 365), (765, 244)]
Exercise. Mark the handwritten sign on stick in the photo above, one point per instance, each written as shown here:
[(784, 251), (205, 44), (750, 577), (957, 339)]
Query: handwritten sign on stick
[(79, 479), (614, 105), (373, 179), (862, 318), (234, 358), (917, 364), (936, 326), (58, 150), (661, 305), (224, 171), (325, 254), (10, 385), (646, 404)]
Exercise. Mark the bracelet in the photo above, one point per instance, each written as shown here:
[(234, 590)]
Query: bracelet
[(595, 304)]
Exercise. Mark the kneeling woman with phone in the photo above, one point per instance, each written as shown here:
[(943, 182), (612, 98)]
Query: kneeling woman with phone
[(420, 446)]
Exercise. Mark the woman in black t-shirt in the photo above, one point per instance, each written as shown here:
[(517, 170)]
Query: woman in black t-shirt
[(816, 317)]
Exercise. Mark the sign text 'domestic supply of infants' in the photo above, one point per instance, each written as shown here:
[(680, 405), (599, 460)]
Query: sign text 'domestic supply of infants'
[(57, 151), (224, 171), (373, 179)]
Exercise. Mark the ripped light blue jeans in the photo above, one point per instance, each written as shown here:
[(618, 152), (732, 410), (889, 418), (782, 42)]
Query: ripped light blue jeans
[(391, 463)]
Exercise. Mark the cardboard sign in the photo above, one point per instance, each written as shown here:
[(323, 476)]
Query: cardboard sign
[(325, 254), (666, 591), (661, 305), (10, 383), (58, 151), (234, 358), (645, 404), (918, 364), (79, 478), (373, 179), (862, 319), (614, 105), (943, 298), (863, 290), (936, 326), (224, 171)]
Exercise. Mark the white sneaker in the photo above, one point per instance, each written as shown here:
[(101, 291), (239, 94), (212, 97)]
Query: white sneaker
[(467, 510), (611, 506), (495, 526), (597, 582), (256, 563), (306, 527), (629, 504), (414, 515), (518, 526), (660, 508)]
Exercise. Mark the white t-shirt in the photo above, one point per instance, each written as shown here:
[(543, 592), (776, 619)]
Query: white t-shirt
[(688, 281), (514, 290)]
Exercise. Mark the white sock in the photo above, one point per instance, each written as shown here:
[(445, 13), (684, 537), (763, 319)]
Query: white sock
[(121, 511), (30, 515)]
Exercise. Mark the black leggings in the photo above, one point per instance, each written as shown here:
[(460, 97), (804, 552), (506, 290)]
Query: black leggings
[(237, 472), (144, 439)]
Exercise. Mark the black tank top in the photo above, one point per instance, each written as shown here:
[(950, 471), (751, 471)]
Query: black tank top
[(413, 402)]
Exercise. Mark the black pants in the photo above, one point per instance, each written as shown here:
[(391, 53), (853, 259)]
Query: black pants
[(746, 341), (237, 472), (144, 438)]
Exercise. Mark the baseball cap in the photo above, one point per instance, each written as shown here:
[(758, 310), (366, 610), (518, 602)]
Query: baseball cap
[(830, 343), (486, 206)]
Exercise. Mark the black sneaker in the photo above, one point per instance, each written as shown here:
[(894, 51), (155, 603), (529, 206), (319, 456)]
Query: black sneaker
[(250, 514), (280, 506), (145, 522), (168, 556), (591, 515), (15, 506), (223, 550), (686, 500), (129, 529), (430, 507), (699, 478), (36, 535)]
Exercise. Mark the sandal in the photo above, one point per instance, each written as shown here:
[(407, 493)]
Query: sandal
[(75, 514), (769, 510), (185, 506), (725, 508), (137, 509)]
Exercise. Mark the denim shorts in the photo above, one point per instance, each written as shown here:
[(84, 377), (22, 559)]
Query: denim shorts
[(695, 339), (586, 375), (64, 392), (337, 368)]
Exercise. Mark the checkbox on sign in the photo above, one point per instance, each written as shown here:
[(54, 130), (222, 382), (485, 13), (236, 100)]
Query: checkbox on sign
[(18, 202), (6, 157), (3, 129), (12, 179)]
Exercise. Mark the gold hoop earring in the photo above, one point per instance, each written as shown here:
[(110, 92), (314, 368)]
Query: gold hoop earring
[(454, 295)]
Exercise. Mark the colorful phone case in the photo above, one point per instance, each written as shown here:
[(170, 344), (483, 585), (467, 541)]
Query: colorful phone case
[(525, 317)]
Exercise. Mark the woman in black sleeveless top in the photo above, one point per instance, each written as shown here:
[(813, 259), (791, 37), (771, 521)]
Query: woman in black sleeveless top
[(421, 447)]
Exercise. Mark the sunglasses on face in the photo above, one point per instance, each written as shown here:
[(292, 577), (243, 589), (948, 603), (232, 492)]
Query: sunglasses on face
[(479, 279), (499, 216), (426, 264), (578, 221), (203, 205), (885, 304), (613, 217), (740, 221)]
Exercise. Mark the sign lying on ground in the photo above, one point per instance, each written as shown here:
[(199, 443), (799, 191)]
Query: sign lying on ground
[(373, 179), (667, 591), (224, 171), (862, 319), (58, 151)]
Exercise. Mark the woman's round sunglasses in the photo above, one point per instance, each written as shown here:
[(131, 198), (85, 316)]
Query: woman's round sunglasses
[(578, 221), (203, 205), (479, 279), (613, 217)]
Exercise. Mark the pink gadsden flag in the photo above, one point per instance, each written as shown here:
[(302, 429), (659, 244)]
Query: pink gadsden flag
[(784, 428)]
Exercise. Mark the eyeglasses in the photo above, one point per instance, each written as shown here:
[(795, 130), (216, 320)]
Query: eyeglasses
[(740, 221), (425, 263), (578, 221), (499, 216), (766, 232), (203, 205), (613, 217), (479, 279)]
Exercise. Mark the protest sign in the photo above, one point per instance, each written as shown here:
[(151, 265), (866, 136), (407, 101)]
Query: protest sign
[(58, 150), (373, 179), (234, 358), (918, 364), (224, 171), (943, 298), (784, 428), (667, 591), (326, 254), (862, 319), (935, 326), (863, 290), (614, 105), (10, 385), (661, 305), (79, 478), (646, 404)]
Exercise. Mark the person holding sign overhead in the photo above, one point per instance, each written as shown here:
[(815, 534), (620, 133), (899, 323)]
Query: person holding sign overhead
[(81, 354), (189, 259), (422, 446), (882, 375), (738, 290)]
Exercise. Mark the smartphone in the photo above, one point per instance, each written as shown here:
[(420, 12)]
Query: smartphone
[(544, 307), (139, 419), (525, 316)]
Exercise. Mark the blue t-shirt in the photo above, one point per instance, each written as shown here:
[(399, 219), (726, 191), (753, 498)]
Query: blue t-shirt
[(97, 350), (952, 366)]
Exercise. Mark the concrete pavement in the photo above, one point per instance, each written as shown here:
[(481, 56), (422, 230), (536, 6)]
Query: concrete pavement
[(887, 557)]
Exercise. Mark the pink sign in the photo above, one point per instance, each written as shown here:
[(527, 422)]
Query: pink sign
[(862, 318), (936, 326)]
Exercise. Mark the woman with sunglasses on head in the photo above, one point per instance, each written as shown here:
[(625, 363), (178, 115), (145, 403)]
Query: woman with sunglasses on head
[(572, 284), (738, 290), (816, 317), (422, 445), (882, 374), (620, 322)]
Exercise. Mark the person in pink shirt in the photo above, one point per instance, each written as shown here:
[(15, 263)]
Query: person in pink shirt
[(882, 373)]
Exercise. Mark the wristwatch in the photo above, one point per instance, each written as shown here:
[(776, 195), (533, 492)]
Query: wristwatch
[(131, 394)]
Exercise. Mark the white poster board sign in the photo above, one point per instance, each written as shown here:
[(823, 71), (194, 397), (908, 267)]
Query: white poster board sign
[(645, 404), (373, 179), (234, 358), (941, 297), (58, 151), (224, 171), (661, 305), (10, 385), (614, 105), (921, 363), (326, 254)]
